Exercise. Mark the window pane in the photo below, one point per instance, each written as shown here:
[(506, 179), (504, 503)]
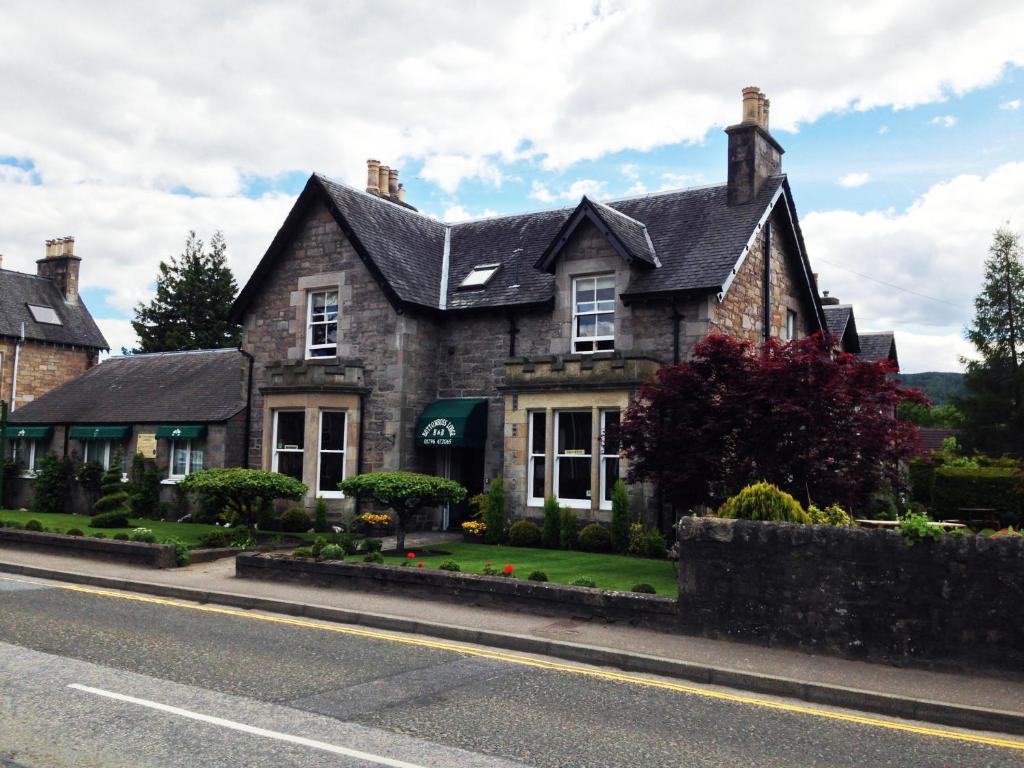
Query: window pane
[(585, 325), (606, 297), (611, 421), (291, 427), (607, 344), (584, 291), (332, 471), (197, 460), (319, 302), (574, 432), (318, 334), (332, 432), (605, 283), (290, 463), (605, 325), (179, 458), (611, 474), (583, 346), (574, 478), (539, 431), (537, 480), (332, 333), (322, 352)]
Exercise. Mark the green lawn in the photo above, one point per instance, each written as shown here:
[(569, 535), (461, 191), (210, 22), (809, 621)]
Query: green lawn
[(189, 533), (608, 571)]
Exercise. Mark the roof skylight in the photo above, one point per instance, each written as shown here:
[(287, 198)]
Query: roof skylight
[(43, 314), (479, 276)]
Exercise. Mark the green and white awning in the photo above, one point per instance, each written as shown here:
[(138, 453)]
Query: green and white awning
[(180, 431), (98, 433), (460, 423), (37, 432)]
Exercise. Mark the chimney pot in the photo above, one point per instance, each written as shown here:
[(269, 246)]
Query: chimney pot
[(373, 177), (754, 155), (383, 180), (401, 193), (751, 104), (393, 183), (61, 265)]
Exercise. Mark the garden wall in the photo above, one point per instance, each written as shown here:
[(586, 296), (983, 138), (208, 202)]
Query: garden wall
[(855, 592), (132, 552), (466, 589)]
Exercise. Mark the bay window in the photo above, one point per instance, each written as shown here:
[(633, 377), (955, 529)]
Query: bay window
[(573, 434), (593, 314), (322, 324), (289, 442), (331, 454)]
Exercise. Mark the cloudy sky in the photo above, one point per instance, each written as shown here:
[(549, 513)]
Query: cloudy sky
[(903, 123)]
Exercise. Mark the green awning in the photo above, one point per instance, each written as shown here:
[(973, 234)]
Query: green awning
[(458, 423), (98, 433), (14, 432), (180, 431)]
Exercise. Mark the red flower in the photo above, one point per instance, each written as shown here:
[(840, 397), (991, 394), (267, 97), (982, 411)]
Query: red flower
[(411, 555), (509, 568), (419, 564)]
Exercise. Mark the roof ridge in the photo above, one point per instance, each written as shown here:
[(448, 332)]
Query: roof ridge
[(173, 352), (378, 198), (617, 212), (25, 274)]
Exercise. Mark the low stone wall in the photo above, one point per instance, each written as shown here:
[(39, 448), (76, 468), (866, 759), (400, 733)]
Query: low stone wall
[(855, 592), (466, 589), (132, 552)]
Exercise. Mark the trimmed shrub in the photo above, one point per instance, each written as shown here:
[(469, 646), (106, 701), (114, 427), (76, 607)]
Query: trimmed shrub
[(830, 515), (655, 545), (144, 489), (144, 535), (637, 538), (882, 506), (120, 536), (957, 488), (620, 517), (450, 565), (113, 493), (349, 542), (537, 576), (922, 474), (372, 545), (494, 512), (644, 589), (764, 501), (74, 532), (373, 557), (90, 477), (52, 486), (110, 520), (318, 544), (595, 538), (568, 533), (213, 540), (524, 533), (240, 491), (303, 552), (551, 535), (99, 535), (320, 518), (265, 520), (296, 520), (332, 552), (583, 581), (33, 525)]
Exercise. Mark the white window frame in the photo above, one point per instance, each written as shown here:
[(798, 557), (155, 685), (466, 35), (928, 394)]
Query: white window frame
[(188, 458), (105, 460), (532, 456), (576, 281), (310, 346), (320, 451), (571, 503), (790, 324), (276, 451), (30, 465), (606, 503)]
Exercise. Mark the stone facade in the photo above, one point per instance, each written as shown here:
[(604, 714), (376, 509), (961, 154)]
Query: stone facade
[(41, 367)]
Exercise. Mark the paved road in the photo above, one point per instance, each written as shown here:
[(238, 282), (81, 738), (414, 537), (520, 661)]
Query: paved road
[(89, 678)]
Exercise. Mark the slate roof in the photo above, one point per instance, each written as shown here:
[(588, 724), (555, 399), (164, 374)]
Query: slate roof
[(880, 345), (19, 289), (842, 326), (695, 236), (201, 386)]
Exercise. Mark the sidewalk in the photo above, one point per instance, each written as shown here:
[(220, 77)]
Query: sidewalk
[(740, 665)]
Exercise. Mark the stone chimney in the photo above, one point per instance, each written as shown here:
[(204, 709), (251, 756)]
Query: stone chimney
[(829, 301), (61, 266), (393, 184), (384, 180), (754, 155), (373, 177)]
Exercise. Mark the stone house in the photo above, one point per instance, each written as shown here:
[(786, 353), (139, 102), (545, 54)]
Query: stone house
[(870, 346), (185, 410), (504, 347), (47, 335)]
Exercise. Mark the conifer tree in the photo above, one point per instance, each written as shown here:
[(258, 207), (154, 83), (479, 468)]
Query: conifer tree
[(194, 292)]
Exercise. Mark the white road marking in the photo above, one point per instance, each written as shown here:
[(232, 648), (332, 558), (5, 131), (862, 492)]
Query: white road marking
[(300, 740)]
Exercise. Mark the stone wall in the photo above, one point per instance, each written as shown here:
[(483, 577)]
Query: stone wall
[(855, 592), (741, 312), (41, 367)]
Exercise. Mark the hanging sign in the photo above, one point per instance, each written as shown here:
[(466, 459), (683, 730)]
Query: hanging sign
[(438, 432)]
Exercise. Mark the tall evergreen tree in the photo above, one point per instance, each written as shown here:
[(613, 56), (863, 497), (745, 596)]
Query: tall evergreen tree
[(194, 292), (993, 404)]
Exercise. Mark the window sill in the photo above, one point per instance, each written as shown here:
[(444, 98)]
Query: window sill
[(30, 475), (171, 480), (575, 503), (330, 495)]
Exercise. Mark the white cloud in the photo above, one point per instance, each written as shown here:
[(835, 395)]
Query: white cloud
[(946, 121), (118, 333), (589, 187), (854, 179), (936, 247), (455, 213), (1011, 104), (540, 192), (630, 171), (680, 180), (883, 129), (638, 188)]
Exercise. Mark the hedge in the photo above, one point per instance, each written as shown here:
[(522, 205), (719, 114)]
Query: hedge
[(922, 474), (956, 488)]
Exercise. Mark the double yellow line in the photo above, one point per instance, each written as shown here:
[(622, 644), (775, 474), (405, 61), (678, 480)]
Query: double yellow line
[(554, 666)]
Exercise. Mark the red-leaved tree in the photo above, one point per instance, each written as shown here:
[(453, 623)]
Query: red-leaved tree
[(818, 423)]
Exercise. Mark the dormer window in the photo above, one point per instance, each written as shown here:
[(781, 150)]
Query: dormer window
[(43, 314), (593, 314), (322, 324), (479, 276)]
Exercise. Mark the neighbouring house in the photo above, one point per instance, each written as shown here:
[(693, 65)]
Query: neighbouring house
[(505, 347), (185, 410), (47, 335), (842, 327)]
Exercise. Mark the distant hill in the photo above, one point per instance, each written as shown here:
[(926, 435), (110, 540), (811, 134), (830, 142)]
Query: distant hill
[(939, 386)]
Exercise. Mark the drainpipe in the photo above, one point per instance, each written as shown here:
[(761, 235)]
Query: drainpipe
[(14, 377), (248, 409), (361, 442)]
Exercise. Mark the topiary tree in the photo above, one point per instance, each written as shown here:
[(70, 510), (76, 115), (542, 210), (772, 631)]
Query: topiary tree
[(242, 491), (552, 523), (620, 517), (113, 494), (144, 492), (320, 524), (403, 492), (764, 501), (494, 512)]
